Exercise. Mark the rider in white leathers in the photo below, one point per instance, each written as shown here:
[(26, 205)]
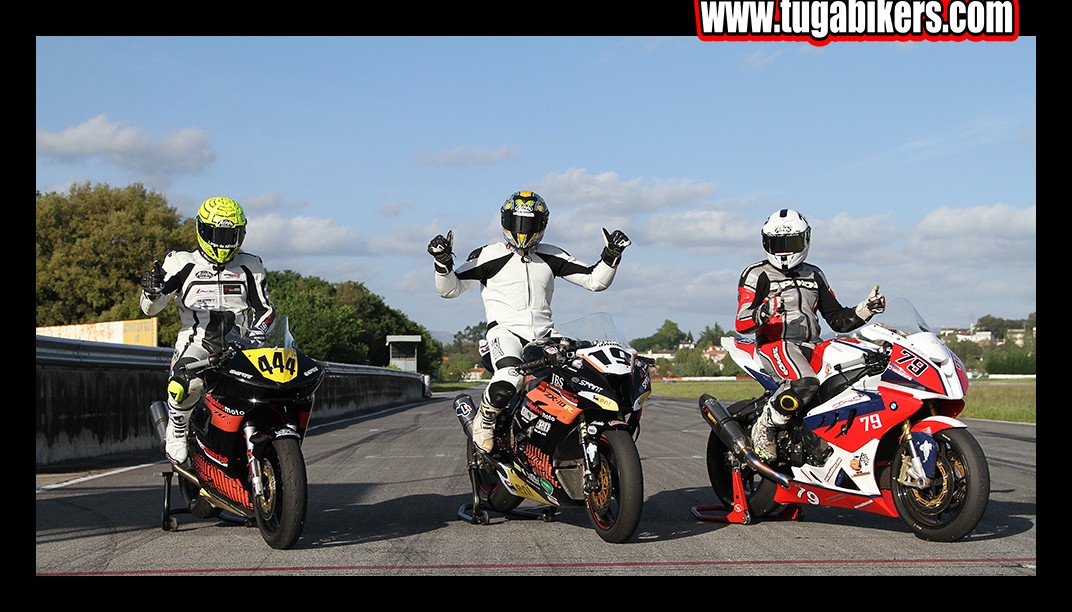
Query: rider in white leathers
[(216, 288), (516, 279)]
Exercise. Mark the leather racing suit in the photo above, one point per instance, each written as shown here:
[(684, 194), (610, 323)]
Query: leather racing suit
[(202, 289), (516, 287), (786, 341)]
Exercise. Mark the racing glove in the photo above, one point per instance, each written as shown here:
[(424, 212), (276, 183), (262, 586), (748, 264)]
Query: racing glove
[(615, 244), (873, 305), (441, 248), (152, 282), (766, 310)]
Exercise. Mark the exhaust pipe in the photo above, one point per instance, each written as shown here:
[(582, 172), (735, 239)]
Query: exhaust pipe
[(463, 407), (217, 501), (731, 434)]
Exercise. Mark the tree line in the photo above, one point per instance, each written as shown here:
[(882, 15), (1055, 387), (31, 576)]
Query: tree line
[(94, 243)]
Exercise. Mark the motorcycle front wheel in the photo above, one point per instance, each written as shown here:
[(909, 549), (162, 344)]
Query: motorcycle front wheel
[(281, 509), (615, 504), (954, 503), (757, 490)]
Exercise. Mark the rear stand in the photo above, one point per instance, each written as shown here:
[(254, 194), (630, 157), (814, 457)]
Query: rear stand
[(477, 515), (739, 514), (167, 520)]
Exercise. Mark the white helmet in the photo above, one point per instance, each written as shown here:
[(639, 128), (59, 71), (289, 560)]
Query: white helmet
[(786, 236)]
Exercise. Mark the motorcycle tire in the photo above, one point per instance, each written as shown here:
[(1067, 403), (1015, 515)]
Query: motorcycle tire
[(757, 490), (281, 509), (614, 507), (497, 496), (954, 504)]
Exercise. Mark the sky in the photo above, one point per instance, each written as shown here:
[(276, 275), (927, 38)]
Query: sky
[(914, 162)]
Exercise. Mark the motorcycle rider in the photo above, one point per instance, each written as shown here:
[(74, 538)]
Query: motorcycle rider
[(212, 278), (516, 278), (779, 299)]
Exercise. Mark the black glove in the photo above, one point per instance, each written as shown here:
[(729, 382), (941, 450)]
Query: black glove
[(616, 243), (152, 282), (440, 248)]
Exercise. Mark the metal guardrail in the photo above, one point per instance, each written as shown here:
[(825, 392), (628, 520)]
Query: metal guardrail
[(65, 351)]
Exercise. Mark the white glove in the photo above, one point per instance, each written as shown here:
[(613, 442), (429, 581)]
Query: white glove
[(873, 305)]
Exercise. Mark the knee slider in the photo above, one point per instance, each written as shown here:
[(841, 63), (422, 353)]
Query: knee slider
[(500, 392), (789, 400)]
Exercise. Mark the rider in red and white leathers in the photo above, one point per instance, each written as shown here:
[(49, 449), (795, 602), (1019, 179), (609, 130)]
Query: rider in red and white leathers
[(516, 279), (216, 288), (779, 299)]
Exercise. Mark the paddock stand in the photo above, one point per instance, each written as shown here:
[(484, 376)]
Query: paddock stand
[(167, 520), (739, 513), (477, 515)]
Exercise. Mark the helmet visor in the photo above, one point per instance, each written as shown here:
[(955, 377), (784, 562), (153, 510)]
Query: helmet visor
[(791, 243), (222, 237), (519, 222)]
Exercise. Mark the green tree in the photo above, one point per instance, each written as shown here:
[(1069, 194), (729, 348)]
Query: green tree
[(93, 245), (667, 338), (712, 336), (691, 362)]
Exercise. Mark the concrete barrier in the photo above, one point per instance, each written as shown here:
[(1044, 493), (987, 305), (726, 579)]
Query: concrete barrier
[(93, 397)]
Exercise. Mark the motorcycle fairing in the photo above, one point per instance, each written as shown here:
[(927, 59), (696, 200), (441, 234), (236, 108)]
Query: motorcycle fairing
[(223, 417), (609, 358), (743, 351), (218, 481), (275, 364), (907, 369), (510, 476), (543, 398), (850, 419)]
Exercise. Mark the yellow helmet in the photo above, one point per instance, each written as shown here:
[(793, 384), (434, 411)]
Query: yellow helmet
[(221, 227)]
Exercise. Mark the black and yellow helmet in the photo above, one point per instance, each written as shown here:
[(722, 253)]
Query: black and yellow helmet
[(524, 218), (221, 228)]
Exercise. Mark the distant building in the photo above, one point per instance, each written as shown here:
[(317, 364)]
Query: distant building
[(474, 373), (715, 354)]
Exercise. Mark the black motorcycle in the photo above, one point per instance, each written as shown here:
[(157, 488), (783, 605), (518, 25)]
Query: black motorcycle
[(567, 439), (245, 461)]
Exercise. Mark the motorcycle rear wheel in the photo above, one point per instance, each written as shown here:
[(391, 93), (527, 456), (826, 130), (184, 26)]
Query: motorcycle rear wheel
[(954, 504), (614, 508), (757, 490), (281, 509)]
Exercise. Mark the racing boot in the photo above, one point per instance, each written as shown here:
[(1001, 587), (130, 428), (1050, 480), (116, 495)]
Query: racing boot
[(175, 434), (484, 426), (765, 433)]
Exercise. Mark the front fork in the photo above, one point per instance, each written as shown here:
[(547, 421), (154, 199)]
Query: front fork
[(590, 452), (249, 430), (912, 472)]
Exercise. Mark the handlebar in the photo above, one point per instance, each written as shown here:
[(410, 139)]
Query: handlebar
[(211, 362), (873, 361)]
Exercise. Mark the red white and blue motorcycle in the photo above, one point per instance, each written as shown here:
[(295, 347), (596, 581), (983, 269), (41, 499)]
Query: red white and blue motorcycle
[(887, 407)]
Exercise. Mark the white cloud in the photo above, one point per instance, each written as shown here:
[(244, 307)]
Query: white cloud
[(467, 156), (152, 161)]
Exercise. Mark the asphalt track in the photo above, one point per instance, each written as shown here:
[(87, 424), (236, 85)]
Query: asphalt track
[(385, 490)]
